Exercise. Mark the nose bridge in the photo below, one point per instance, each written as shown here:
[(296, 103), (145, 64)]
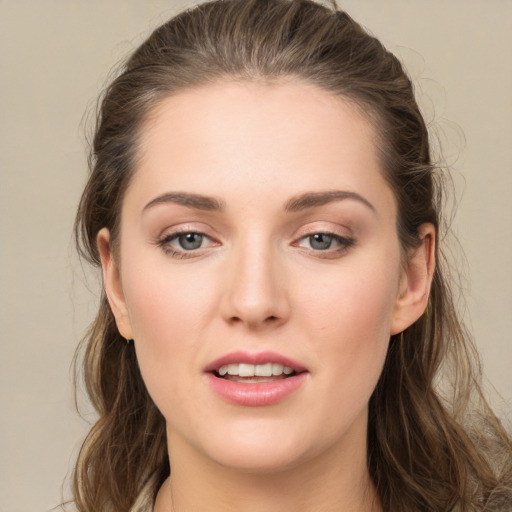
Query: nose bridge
[(255, 295)]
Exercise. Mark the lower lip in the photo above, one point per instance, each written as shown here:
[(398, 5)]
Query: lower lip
[(256, 394)]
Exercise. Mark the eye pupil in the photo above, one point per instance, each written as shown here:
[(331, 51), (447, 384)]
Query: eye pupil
[(190, 241), (320, 241)]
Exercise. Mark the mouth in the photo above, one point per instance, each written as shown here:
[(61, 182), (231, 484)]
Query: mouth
[(260, 379), (260, 367), (254, 373)]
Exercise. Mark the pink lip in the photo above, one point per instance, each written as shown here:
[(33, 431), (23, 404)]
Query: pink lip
[(255, 394)]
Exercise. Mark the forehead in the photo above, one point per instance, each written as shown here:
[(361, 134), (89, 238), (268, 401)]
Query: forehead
[(288, 137)]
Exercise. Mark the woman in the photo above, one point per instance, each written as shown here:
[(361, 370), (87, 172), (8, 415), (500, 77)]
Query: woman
[(266, 213)]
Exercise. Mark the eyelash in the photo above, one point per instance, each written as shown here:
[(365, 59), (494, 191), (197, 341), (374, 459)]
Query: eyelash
[(165, 244), (345, 243)]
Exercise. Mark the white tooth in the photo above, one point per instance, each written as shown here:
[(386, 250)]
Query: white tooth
[(277, 369), (251, 370), (246, 370), (263, 370), (232, 369)]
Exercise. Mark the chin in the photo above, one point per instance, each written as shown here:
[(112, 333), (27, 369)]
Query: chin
[(258, 447), (259, 460)]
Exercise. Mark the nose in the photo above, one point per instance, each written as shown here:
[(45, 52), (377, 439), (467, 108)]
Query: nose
[(255, 291)]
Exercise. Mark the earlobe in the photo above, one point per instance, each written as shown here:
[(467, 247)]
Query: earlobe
[(112, 284), (416, 281)]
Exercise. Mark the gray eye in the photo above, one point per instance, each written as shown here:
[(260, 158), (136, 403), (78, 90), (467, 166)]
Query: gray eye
[(320, 241), (190, 241)]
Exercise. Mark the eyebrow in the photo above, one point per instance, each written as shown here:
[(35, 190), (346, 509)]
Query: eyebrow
[(197, 201), (295, 204), (314, 199)]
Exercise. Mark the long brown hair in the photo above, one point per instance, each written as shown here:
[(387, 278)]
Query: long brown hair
[(427, 450)]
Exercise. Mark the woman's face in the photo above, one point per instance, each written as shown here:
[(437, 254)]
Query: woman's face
[(260, 273)]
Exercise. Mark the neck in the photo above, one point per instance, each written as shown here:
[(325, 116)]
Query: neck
[(332, 482)]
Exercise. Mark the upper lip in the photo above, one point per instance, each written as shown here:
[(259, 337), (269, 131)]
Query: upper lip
[(254, 358)]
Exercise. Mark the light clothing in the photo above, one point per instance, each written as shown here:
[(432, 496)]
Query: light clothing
[(145, 501)]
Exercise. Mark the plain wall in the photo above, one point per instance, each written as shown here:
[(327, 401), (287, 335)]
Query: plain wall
[(54, 58)]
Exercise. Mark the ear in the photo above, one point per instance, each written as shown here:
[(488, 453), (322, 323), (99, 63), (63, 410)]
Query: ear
[(415, 281), (113, 286)]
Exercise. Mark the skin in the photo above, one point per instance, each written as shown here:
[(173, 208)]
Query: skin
[(258, 282)]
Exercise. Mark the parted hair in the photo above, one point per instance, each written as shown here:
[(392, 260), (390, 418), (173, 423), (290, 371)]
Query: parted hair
[(433, 442)]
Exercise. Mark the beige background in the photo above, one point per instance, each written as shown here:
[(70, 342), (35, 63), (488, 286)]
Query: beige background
[(54, 58)]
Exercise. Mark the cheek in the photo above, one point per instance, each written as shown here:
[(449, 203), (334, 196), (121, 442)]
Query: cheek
[(349, 316), (167, 311), (351, 302), (164, 298)]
